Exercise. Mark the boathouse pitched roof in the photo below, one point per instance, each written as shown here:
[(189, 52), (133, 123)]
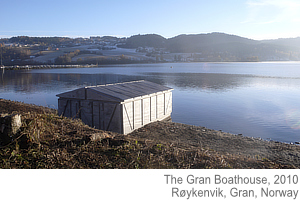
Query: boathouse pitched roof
[(116, 92)]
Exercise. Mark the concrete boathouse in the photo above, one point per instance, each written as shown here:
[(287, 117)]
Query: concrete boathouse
[(120, 107)]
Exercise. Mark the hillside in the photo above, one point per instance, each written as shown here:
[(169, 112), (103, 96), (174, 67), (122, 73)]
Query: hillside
[(148, 40), (293, 43), (222, 47), (148, 48), (206, 42)]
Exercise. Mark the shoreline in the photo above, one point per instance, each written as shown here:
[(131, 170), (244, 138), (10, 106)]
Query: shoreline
[(53, 66), (189, 136), (156, 145)]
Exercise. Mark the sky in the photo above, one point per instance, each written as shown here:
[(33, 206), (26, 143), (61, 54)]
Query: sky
[(254, 19)]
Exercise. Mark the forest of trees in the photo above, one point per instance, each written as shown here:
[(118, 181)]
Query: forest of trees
[(39, 40), (148, 40), (66, 58), (13, 54)]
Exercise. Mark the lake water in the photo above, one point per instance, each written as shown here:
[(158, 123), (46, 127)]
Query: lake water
[(253, 99)]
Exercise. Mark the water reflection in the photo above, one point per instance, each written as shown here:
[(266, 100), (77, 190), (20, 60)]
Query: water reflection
[(207, 81), (2, 74), (30, 82)]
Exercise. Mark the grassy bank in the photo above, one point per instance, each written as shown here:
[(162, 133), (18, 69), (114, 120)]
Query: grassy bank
[(47, 140)]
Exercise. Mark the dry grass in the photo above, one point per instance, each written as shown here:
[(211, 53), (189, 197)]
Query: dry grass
[(47, 140)]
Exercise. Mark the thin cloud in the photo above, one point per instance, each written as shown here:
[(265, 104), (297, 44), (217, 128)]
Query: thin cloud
[(272, 11)]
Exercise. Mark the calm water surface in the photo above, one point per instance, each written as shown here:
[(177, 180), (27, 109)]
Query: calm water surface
[(253, 99)]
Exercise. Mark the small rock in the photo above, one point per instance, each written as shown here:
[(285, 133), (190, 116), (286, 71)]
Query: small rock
[(98, 136), (10, 124)]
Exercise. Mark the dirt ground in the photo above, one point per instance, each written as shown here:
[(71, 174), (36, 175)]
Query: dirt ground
[(189, 137)]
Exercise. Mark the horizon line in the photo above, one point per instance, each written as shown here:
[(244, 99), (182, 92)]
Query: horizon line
[(124, 36)]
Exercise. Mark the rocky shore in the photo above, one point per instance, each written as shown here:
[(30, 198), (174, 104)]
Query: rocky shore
[(46, 140)]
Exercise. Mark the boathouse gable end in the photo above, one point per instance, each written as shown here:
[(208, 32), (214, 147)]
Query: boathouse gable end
[(75, 94), (120, 107)]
